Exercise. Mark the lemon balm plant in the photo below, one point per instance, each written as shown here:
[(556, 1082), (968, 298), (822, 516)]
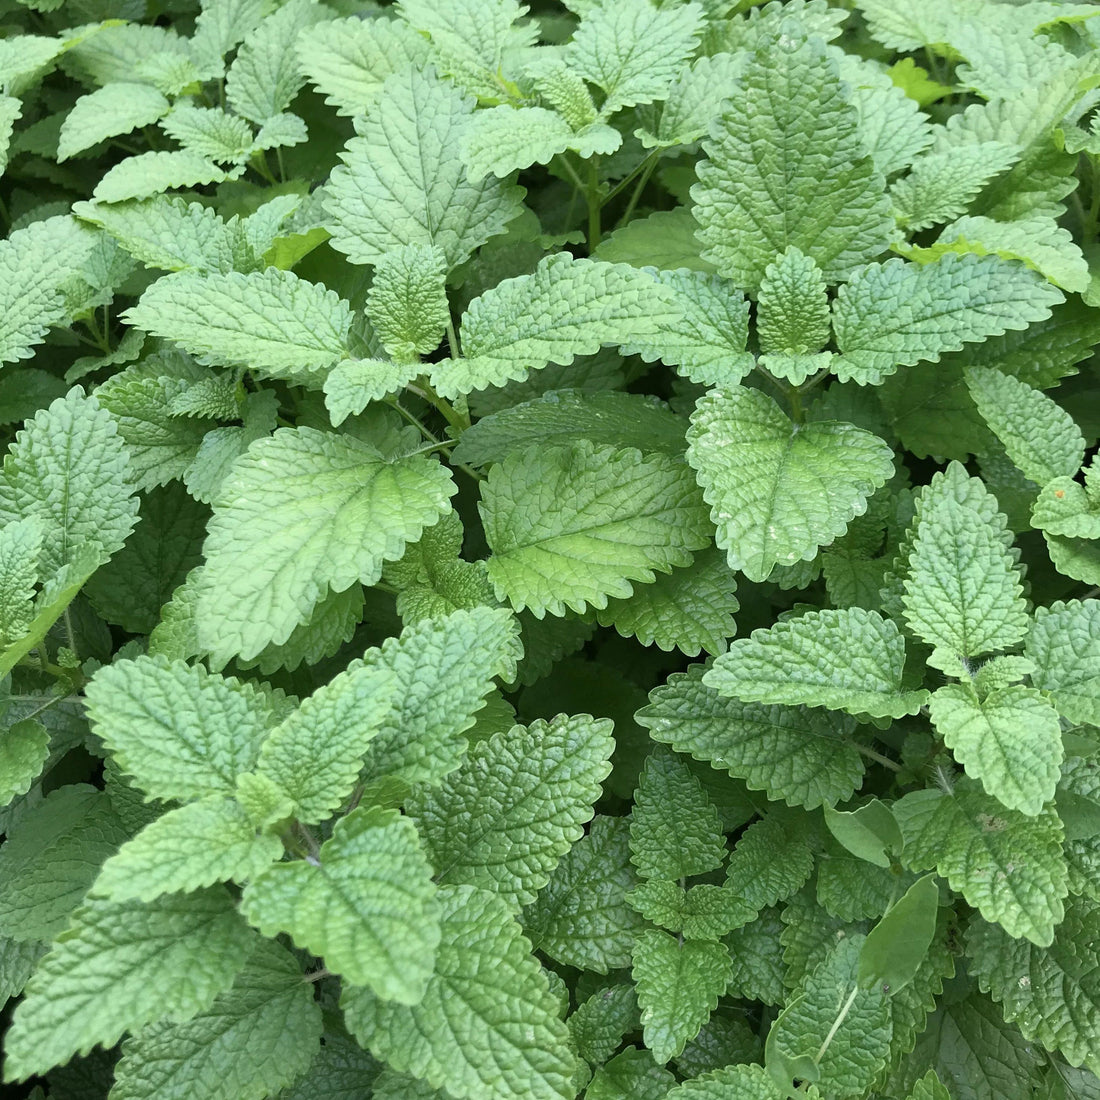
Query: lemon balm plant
[(550, 552)]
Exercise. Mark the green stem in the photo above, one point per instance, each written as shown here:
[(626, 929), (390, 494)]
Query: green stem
[(424, 389), (570, 171), (840, 1018), (878, 758), (629, 178), (415, 421), (797, 412), (452, 338), (592, 197), (629, 212)]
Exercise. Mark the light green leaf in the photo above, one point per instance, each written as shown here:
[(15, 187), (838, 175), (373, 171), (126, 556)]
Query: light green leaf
[(896, 313), (664, 240), (792, 318), (704, 912), (515, 806), (802, 756), (505, 139), (688, 609), (315, 753), (850, 659), (257, 1036), (1040, 437), (34, 264), (20, 547), (488, 1027), (963, 592), (11, 110), (24, 57), (1075, 557), (942, 183), (69, 469), (147, 174), (401, 182), (354, 383), (265, 76), (366, 903), (180, 731), (168, 233), (674, 827), (786, 166), (24, 750), (407, 302), (571, 527), (679, 984), (868, 832), (122, 965), (210, 132), (896, 947), (695, 99), (581, 917), (598, 1024), (50, 858), (1064, 509), (633, 51), (349, 59), (1051, 993), (706, 336), (779, 490), (1007, 865), (929, 1087), (565, 308), (1011, 740), (114, 109), (301, 512), (858, 1047), (443, 668), (270, 320), (1063, 642), (561, 416), (196, 845)]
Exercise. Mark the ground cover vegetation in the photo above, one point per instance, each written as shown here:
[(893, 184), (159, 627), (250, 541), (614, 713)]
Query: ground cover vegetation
[(550, 552)]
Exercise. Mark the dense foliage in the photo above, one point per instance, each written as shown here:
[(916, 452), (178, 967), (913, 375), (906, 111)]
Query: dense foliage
[(395, 397)]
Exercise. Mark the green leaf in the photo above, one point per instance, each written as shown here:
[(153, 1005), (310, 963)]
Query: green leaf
[(147, 174), (896, 947), (869, 832), (689, 609), (20, 547), (1007, 865), (741, 1082), (515, 806), (792, 316), (633, 51), (270, 320), (349, 59), (598, 1024), (257, 1036), (210, 131), (563, 309), (1051, 993), (786, 166), (665, 240), (366, 903), (180, 731), (849, 659), (581, 917), (560, 416), (943, 182), (802, 756), (1067, 510), (401, 182), (779, 490), (704, 912), (705, 338), (122, 965), (895, 314), (769, 864), (849, 1060), (674, 828), (487, 1027), (1010, 739), (114, 109), (69, 469), (354, 383), (571, 527), (1062, 643), (504, 139), (50, 858), (300, 513), (407, 302), (196, 845), (694, 100), (963, 592), (1075, 557), (264, 76), (24, 750), (1040, 437), (442, 669), (678, 988)]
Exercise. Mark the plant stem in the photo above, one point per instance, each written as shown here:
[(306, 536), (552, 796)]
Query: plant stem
[(629, 211), (878, 758), (452, 337), (840, 1018), (592, 197)]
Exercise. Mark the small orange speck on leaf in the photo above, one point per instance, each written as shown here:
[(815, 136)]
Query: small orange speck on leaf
[(1059, 493)]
